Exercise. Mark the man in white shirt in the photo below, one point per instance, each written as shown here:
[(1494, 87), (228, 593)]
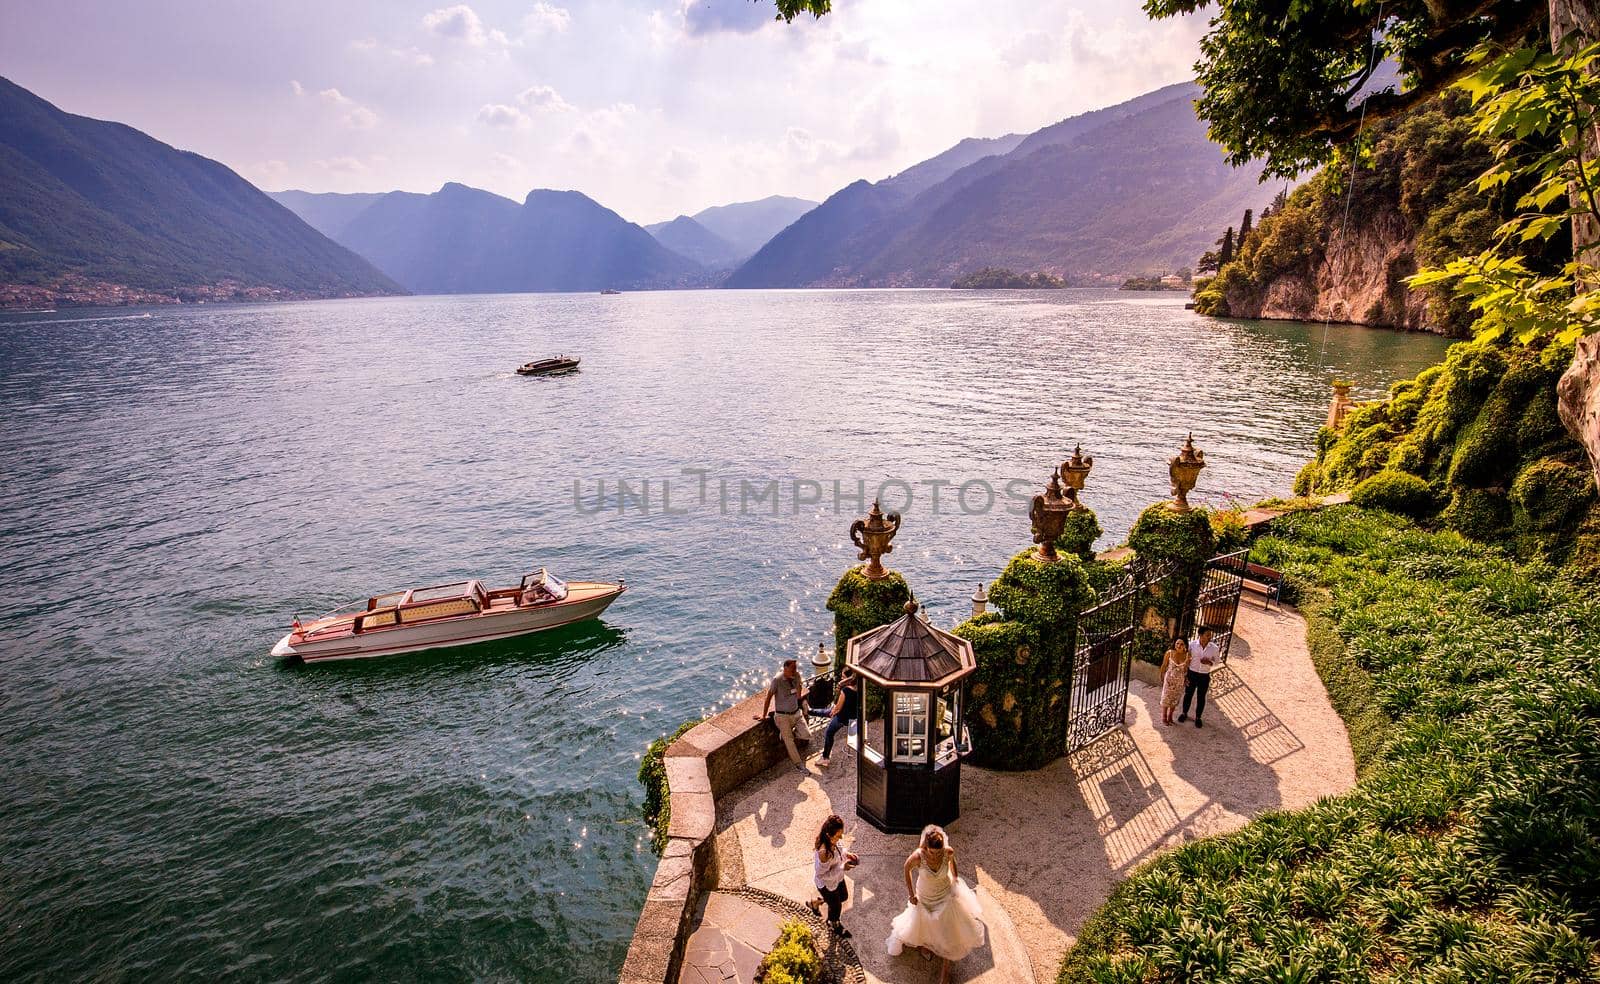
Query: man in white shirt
[(1204, 656)]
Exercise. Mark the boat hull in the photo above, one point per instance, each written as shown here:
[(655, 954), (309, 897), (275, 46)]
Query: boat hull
[(485, 626)]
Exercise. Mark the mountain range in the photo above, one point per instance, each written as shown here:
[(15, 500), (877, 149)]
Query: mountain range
[(116, 213), (723, 235), (1129, 189), (1132, 188), (461, 240)]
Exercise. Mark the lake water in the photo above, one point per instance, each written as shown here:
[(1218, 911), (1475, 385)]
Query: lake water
[(179, 484)]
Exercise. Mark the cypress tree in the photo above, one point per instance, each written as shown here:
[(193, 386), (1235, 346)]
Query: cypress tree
[(1244, 228), (1225, 254)]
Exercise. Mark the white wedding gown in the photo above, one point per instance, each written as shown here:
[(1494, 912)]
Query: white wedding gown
[(946, 918)]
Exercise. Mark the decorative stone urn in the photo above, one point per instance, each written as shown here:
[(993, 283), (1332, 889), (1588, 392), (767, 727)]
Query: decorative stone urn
[(980, 602), (1185, 471), (1074, 472), (1049, 515), (871, 536), (1341, 405)]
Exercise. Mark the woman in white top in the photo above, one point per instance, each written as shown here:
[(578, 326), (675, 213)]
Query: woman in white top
[(942, 914), (828, 865)]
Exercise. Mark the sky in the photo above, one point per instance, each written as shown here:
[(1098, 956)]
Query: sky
[(652, 107)]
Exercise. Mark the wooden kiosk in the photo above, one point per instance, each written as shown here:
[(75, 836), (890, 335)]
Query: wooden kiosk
[(911, 733)]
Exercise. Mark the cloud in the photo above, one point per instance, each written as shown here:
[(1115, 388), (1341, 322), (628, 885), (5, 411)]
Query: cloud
[(414, 55), (680, 165), (1034, 47), (411, 54), (501, 116), (613, 117), (544, 99), (271, 171), (351, 113), (462, 24), (296, 88), (504, 162), (584, 142), (703, 17), (342, 165), (545, 19)]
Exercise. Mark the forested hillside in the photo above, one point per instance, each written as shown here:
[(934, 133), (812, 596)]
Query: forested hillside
[(94, 202)]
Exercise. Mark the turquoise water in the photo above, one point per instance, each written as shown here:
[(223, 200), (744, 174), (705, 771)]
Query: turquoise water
[(179, 485)]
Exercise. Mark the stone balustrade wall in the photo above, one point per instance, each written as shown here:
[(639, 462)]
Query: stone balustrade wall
[(710, 760)]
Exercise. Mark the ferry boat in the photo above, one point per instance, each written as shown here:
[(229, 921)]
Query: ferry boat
[(443, 615), (549, 367)]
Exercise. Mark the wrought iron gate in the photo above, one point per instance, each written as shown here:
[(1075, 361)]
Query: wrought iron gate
[(1216, 603), (1108, 633), (1102, 660)]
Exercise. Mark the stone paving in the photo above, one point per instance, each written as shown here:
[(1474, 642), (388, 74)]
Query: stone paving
[(1043, 849), (736, 929)]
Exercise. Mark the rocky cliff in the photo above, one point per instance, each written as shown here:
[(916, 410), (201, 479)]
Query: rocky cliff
[(1358, 278), (1333, 253)]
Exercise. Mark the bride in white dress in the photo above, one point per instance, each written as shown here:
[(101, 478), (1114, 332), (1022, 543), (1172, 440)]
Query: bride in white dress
[(942, 914)]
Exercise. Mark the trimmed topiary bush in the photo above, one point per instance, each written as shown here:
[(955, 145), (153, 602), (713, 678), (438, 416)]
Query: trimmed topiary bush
[(1551, 495), (1483, 514), (793, 958), (1016, 700), (1163, 533), (859, 604), (1479, 425), (1396, 492), (1082, 530)]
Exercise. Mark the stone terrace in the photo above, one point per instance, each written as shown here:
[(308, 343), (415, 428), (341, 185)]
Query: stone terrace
[(1045, 848)]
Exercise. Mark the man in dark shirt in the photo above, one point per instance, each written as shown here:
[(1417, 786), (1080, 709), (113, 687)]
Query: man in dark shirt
[(844, 711)]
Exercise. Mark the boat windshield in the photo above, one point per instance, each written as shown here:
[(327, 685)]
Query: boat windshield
[(545, 585), (441, 592)]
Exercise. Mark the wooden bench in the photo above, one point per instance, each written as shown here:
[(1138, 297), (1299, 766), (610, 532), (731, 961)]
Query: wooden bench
[(1264, 581)]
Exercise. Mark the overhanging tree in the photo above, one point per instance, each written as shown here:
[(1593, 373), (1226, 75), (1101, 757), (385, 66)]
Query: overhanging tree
[(1286, 80), (1290, 82)]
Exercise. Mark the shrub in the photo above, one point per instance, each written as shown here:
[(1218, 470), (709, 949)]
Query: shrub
[(1082, 529), (1024, 653), (1550, 495), (1228, 532), (657, 796), (793, 958), (1483, 514), (859, 604), (1396, 492), (1163, 533), (1481, 423)]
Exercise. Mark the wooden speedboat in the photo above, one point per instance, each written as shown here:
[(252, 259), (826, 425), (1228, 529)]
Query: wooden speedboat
[(445, 615), (548, 367), (611, 290)]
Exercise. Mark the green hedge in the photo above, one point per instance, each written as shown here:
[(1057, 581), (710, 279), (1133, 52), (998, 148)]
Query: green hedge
[(1016, 699), (859, 604), (793, 958), (1469, 849), (653, 777), (1082, 530)]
